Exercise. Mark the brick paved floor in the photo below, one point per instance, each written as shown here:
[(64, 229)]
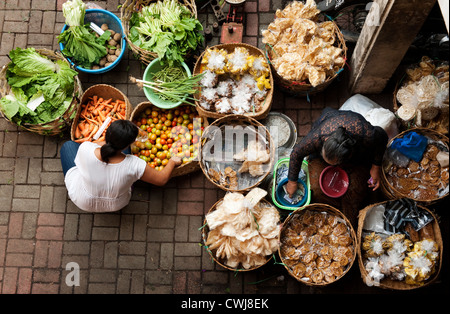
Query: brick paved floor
[(152, 245)]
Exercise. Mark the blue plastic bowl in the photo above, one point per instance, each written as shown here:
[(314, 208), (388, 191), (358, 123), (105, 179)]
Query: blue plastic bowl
[(279, 194), (99, 17)]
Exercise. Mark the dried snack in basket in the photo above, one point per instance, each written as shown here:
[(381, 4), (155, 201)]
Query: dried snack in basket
[(215, 60), (372, 245), (419, 264)]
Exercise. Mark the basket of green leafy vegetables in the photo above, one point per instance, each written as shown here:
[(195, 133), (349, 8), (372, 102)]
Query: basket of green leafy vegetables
[(39, 91), (164, 29)]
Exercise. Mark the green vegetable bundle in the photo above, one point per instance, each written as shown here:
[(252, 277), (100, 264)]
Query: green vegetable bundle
[(80, 43), (166, 28), (41, 90)]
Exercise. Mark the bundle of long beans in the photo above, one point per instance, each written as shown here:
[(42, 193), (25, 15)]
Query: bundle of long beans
[(172, 84)]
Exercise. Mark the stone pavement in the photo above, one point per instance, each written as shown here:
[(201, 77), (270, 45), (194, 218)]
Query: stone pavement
[(153, 245)]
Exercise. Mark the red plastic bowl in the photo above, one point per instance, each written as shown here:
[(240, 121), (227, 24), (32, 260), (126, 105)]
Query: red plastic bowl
[(333, 181)]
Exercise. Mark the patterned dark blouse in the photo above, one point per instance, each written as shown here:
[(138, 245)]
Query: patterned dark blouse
[(371, 141)]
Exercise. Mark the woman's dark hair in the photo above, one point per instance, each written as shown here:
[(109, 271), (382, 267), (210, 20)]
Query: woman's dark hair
[(339, 146), (119, 135)]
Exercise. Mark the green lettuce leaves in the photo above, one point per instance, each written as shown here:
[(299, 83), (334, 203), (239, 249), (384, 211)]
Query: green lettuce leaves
[(36, 80), (168, 29)]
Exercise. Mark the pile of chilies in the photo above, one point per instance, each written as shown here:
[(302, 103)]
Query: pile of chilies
[(93, 115)]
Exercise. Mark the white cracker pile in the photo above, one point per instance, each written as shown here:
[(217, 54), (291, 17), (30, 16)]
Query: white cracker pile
[(301, 48), (242, 230)]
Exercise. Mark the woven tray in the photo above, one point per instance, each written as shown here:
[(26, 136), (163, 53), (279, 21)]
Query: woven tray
[(102, 91), (182, 169), (267, 104), (126, 11), (388, 189), (59, 125), (232, 121), (298, 88), (205, 231), (388, 283), (297, 214)]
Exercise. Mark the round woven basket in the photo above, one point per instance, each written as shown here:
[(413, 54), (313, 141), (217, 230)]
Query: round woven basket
[(439, 123), (182, 169), (126, 11), (304, 88), (296, 215), (388, 283), (101, 91), (267, 103), (231, 121), (205, 231), (388, 189), (59, 125)]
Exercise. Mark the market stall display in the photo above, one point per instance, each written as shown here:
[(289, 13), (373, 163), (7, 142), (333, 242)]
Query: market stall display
[(100, 105), (305, 55), (166, 29), (415, 165), (236, 153), (168, 132), (236, 80), (40, 91), (400, 245), (421, 97), (317, 245), (93, 40), (241, 232)]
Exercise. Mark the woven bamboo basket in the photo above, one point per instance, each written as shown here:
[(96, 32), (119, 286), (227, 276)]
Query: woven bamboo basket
[(388, 283), (388, 189), (102, 91), (296, 215), (182, 169), (267, 103), (126, 11), (232, 121), (304, 88), (59, 125), (205, 232), (440, 123)]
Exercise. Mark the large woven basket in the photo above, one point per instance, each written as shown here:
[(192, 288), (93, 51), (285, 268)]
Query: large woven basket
[(59, 125), (304, 88), (388, 189), (440, 123), (296, 216), (205, 231), (231, 121), (267, 103), (182, 169), (388, 283), (126, 11), (101, 91)]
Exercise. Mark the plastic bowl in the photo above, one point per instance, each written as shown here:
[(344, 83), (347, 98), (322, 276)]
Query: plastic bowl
[(154, 67), (99, 17), (333, 181), (280, 194)]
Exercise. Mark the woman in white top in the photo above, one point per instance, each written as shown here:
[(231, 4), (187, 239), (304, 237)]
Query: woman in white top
[(99, 176)]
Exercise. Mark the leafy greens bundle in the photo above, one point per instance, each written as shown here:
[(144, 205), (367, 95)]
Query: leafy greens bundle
[(166, 28), (41, 90), (80, 43)]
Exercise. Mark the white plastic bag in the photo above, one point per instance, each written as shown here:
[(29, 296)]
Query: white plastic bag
[(374, 113)]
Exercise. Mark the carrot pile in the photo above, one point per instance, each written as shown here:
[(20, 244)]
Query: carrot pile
[(94, 113)]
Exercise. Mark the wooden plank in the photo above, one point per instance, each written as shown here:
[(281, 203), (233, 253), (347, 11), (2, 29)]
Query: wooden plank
[(390, 28), (443, 4)]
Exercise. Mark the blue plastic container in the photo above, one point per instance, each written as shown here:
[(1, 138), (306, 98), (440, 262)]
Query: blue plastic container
[(99, 17), (279, 194)]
